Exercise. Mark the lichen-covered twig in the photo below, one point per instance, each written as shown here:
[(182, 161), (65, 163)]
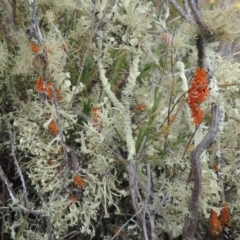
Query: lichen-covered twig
[(191, 220), (34, 29), (190, 223), (66, 168)]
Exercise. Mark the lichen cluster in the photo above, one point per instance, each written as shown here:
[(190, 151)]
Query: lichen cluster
[(100, 96)]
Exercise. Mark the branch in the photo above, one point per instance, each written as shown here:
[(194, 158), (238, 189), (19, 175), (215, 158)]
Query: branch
[(121, 228), (196, 13), (185, 6), (181, 12), (14, 199), (190, 222), (47, 218), (149, 187), (18, 168), (65, 174), (34, 28)]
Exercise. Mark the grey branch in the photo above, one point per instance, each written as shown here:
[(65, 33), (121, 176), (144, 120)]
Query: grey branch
[(65, 174), (14, 199), (181, 12), (12, 141), (190, 222)]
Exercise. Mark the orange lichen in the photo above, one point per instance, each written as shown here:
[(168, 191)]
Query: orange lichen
[(197, 94), (49, 92), (214, 224), (35, 48), (78, 181), (53, 127), (46, 87), (225, 217), (95, 111), (216, 167), (50, 162), (73, 199), (64, 47), (141, 107), (39, 84)]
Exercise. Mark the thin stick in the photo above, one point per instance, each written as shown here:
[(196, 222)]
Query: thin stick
[(65, 174), (14, 199), (190, 222), (181, 12), (18, 168), (47, 218), (121, 228)]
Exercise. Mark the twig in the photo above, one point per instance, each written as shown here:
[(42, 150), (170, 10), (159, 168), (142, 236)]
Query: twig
[(149, 186), (196, 13), (62, 144), (48, 222), (14, 199), (181, 12), (190, 222), (18, 168), (161, 211), (185, 6), (121, 228), (220, 179), (133, 185), (35, 24), (70, 235)]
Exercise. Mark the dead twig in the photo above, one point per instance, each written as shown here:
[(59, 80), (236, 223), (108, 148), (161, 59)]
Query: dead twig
[(190, 222), (12, 141), (12, 195)]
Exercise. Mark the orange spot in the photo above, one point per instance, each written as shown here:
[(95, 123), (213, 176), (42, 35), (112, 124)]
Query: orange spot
[(214, 223), (35, 48), (47, 115), (61, 149), (78, 181), (95, 111), (216, 167), (121, 233), (46, 87), (50, 162), (64, 47), (39, 84), (53, 128), (141, 107), (225, 217), (73, 199), (197, 94)]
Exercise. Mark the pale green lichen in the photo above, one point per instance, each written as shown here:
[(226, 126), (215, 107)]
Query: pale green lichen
[(158, 135)]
